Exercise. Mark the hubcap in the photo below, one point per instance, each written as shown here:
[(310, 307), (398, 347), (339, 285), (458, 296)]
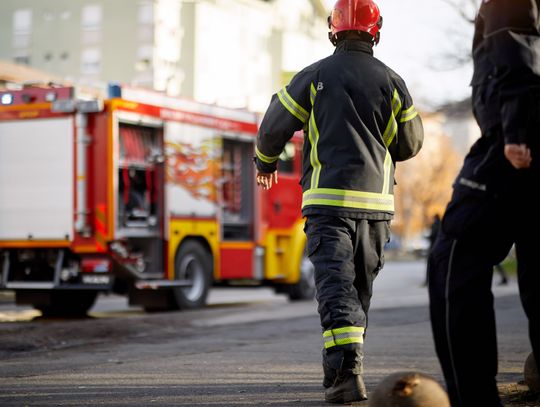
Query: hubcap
[(191, 270)]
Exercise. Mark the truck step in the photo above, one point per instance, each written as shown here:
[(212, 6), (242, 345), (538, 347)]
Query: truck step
[(161, 284)]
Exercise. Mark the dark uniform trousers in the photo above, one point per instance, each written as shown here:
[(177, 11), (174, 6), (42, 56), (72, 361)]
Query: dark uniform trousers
[(492, 208), (347, 255)]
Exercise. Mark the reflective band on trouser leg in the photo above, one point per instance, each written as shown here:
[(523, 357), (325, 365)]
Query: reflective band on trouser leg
[(343, 336)]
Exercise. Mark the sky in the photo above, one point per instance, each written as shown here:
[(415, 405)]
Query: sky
[(418, 38)]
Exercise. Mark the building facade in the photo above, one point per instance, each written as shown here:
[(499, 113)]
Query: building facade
[(230, 52)]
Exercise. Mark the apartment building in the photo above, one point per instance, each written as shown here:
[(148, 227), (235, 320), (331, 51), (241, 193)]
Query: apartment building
[(229, 52)]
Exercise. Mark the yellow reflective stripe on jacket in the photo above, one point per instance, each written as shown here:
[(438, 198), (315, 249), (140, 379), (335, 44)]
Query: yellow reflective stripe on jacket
[(265, 158), (312, 94), (392, 126), (294, 108), (343, 336), (388, 178), (348, 199), (408, 114), (313, 133)]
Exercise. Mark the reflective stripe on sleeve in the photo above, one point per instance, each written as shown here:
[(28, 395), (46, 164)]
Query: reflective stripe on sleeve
[(343, 336), (392, 126), (408, 114), (294, 108), (349, 199), (265, 158)]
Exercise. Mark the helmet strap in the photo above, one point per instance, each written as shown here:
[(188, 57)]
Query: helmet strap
[(333, 38)]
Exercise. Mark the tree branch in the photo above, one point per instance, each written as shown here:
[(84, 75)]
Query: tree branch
[(462, 7)]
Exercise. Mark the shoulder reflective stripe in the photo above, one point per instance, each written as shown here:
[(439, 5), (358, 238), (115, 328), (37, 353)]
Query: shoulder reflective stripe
[(348, 199), (265, 158), (312, 94), (387, 173), (396, 102), (343, 336), (391, 127), (294, 108), (408, 114), (314, 155)]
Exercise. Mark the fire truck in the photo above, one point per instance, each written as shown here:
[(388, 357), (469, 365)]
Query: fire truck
[(140, 194)]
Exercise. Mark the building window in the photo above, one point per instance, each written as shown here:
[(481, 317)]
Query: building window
[(144, 58), (22, 21), (91, 24), (91, 61), (91, 17), (22, 30), (146, 12), (22, 60)]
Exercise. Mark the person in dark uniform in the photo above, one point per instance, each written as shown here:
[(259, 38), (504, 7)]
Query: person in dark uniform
[(493, 204), (358, 119), (499, 268), (432, 237)]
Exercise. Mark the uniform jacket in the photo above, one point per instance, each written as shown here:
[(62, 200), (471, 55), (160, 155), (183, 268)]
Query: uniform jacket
[(358, 120), (506, 80)]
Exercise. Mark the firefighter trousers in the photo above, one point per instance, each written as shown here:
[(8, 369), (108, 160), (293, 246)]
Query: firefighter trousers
[(347, 255), (491, 210)]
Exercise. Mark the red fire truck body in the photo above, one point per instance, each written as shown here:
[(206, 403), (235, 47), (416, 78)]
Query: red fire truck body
[(143, 195)]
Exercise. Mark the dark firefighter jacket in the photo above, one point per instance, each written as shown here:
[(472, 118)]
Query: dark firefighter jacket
[(506, 80), (358, 120)]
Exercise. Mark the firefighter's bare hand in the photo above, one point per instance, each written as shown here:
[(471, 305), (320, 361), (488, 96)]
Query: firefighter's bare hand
[(519, 155), (267, 179)]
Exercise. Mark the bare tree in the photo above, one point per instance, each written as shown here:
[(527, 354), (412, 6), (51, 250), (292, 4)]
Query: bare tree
[(424, 184), (460, 41), (465, 8)]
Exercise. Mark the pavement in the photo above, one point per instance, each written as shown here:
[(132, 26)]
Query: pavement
[(264, 353)]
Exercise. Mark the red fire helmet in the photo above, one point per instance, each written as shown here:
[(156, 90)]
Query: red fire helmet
[(355, 15)]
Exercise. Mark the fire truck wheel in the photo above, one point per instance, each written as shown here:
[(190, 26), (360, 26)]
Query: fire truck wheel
[(67, 303), (193, 263), (305, 288)]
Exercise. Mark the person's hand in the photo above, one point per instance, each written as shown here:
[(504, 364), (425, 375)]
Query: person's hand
[(519, 155), (267, 179)]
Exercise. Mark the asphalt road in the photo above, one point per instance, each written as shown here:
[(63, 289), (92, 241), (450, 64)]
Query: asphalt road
[(248, 348)]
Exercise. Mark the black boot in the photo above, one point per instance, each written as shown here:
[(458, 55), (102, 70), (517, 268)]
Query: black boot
[(330, 367), (347, 388), (343, 376)]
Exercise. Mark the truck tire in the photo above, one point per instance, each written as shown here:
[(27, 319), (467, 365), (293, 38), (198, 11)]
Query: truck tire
[(68, 303), (193, 263), (305, 288)]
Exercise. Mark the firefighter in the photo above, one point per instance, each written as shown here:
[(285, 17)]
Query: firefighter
[(493, 204), (359, 120)]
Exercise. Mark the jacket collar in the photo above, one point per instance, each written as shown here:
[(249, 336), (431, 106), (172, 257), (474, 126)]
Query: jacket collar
[(354, 45)]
